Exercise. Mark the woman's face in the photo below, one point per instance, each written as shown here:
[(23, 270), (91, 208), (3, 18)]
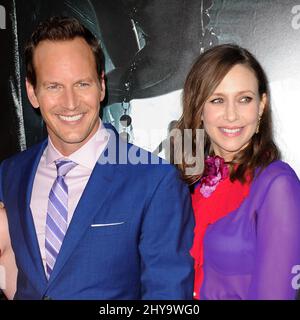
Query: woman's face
[(231, 113)]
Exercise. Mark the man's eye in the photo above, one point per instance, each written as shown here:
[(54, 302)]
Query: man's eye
[(83, 84), (52, 87), (246, 99)]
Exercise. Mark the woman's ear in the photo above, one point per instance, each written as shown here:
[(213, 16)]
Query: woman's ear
[(263, 103)]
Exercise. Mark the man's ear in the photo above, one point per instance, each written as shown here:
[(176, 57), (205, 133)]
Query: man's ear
[(102, 86), (31, 94)]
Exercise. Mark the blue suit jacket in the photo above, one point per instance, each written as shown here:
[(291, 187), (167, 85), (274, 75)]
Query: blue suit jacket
[(139, 251)]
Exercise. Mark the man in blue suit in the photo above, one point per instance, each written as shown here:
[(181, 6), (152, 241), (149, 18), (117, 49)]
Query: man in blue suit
[(90, 216)]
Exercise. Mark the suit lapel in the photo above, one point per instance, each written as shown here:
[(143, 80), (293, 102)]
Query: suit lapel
[(36, 268), (96, 192), (93, 198)]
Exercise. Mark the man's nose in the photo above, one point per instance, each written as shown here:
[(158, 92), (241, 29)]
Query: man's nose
[(70, 99)]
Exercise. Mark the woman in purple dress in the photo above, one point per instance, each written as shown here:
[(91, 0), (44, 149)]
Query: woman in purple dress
[(247, 201)]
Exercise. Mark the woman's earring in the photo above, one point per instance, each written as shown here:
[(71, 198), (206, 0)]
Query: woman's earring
[(258, 124)]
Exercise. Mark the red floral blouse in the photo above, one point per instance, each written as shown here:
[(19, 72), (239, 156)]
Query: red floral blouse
[(225, 198)]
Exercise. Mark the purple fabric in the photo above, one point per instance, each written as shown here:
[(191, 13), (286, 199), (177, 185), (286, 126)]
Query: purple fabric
[(250, 253)]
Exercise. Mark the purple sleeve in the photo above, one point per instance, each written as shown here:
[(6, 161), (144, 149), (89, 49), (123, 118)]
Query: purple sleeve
[(278, 240)]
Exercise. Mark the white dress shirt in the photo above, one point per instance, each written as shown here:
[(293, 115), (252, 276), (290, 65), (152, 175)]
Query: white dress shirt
[(76, 180)]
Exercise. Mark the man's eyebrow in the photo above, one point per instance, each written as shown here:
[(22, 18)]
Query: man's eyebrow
[(87, 79), (46, 83)]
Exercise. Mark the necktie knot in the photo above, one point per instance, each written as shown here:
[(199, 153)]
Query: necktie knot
[(64, 166)]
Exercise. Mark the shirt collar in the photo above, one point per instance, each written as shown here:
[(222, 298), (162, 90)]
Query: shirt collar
[(87, 155)]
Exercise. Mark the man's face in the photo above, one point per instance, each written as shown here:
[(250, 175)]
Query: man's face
[(68, 92)]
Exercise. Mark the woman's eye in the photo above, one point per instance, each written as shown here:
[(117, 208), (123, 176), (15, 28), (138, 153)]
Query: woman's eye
[(217, 100), (246, 99)]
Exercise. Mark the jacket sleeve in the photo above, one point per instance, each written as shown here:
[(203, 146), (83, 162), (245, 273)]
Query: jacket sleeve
[(166, 239)]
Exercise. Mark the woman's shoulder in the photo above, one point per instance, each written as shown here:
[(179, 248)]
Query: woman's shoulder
[(273, 170), (275, 194), (278, 174)]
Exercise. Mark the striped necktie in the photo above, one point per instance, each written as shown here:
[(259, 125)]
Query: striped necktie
[(57, 214)]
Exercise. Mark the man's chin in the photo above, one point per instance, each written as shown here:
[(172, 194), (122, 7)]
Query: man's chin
[(74, 141)]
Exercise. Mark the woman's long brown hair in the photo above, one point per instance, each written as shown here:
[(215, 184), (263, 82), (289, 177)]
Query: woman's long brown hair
[(205, 75)]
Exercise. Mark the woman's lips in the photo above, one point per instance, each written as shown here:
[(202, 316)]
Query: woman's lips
[(231, 132)]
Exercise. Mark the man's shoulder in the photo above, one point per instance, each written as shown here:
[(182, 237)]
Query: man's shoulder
[(149, 168), (138, 156), (24, 156), (122, 152)]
